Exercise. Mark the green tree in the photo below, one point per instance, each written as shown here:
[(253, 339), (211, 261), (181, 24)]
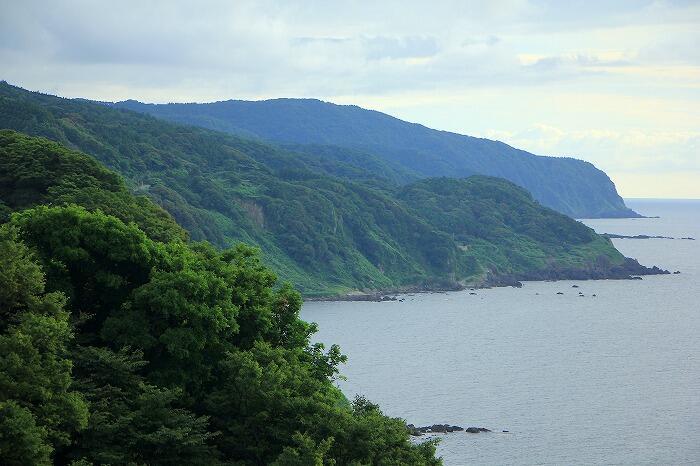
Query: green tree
[(184, 354), (22, 442), (35, 365)]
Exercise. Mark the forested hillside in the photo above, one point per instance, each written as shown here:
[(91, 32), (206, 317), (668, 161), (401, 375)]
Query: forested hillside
[(573, 187), (327, 235), (121, 343), (507, 233)]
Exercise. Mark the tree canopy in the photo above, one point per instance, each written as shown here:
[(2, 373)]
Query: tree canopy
[(122, 347)]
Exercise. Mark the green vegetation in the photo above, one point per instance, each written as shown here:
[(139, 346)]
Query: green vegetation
[(121, 343), (323, 223), (402, 151), (126, 338), (34, 171), (502, 229)]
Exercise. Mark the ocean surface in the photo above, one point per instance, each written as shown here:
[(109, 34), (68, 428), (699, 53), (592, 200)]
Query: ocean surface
[(610, 379)]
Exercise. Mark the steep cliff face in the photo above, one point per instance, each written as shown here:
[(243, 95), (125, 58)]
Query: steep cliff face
[(570, 186)]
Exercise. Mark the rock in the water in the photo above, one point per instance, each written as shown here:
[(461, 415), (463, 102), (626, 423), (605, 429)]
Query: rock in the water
[(676, 272), (435, 428), (476, 430)]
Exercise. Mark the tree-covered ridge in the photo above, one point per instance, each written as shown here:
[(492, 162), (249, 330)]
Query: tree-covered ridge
[(499, 225), (325, 234), (119, 349), (36, 171), (570, 186)]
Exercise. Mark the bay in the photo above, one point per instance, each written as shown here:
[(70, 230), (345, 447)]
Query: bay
[(575, 378)]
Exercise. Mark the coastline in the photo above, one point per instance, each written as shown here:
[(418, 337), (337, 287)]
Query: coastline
[(631, 269)]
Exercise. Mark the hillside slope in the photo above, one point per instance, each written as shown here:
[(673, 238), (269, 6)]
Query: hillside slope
[(573, 187), (326, 235), (120, 348)]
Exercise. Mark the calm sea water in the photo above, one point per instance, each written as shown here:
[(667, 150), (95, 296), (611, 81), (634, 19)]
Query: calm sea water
[(611, 379)]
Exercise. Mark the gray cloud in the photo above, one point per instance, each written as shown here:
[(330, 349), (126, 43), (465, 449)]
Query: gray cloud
[(411, 58), (270, 48), (399, 47)]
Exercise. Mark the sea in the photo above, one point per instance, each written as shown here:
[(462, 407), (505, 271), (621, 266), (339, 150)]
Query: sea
[(605, 373)]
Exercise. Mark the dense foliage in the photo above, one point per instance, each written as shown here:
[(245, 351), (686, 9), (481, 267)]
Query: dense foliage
[(117, 348), (501, 227), (407, 150), (33, 171), (323, 223)]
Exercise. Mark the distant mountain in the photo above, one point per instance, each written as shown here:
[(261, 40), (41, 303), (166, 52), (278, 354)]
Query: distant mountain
[(326, 234), (570, 186)]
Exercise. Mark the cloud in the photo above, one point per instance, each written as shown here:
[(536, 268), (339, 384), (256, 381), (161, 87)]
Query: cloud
[(400, 47), (375, 47), (455, 64), (618, 151), (486, 41), (219, 49), (604, 58)]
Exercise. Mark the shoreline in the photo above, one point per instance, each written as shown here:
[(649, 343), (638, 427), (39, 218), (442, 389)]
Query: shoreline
[(629, 270)]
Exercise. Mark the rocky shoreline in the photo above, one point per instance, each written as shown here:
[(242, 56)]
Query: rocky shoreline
[(444, 429), (616, 236), (601, 270), (630, 269)]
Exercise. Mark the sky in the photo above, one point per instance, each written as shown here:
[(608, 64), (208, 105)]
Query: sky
[(616, 83)]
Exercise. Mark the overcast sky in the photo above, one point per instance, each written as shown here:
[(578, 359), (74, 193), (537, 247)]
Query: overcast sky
[(616, 83)]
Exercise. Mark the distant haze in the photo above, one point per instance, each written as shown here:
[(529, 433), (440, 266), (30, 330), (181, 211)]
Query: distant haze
[(614, 83)]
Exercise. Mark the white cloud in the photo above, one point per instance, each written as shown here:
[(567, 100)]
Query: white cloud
[(471, 66), (617, 151)]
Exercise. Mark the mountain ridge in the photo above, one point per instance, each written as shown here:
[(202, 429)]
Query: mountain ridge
[(571, 186), (327, 235)]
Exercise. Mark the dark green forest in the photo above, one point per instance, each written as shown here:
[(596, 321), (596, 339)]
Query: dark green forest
[(121, 342), (403, 151), (329, 221)]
